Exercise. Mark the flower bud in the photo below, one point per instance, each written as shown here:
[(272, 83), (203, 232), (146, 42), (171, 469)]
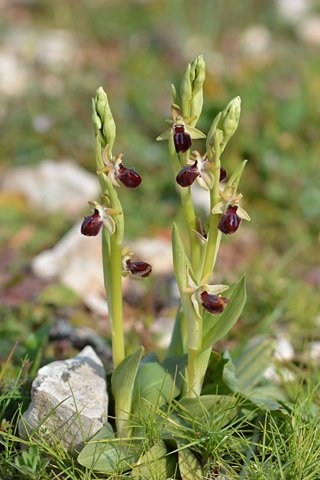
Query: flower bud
[(199, 67), (214, 304), (187, 175), (229, 120), (229, 221), (128, 176), (102, 119), (91, 224), (186, 92)]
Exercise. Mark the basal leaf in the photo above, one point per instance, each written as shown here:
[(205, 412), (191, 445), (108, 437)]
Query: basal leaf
[(176, 343), (122, 383), (158, 382), (104, 454), (253, 362), (154, 464), (189, 465), (220, 376)]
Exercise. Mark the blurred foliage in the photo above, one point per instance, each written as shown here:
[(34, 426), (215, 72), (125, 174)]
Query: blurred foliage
[(63, 51)]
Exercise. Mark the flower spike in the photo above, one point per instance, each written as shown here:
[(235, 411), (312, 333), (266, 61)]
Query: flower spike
[(182, 132), (92, 224), (200, 169), (232, 213), (134, 269), (128, 176), (206, 295)]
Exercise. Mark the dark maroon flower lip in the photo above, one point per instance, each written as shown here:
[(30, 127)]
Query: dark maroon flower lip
[(91, 224), (229, 221), (223, 174), (139, 269), (129, 177), (214, 304), (187, 175), (182, 139)]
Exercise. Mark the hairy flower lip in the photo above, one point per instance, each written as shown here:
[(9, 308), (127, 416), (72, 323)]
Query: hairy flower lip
[(139, 269), (223, 174), (182, 139), (214, 304), (187, 175), (229, 221), (128, 176), (91, 224), (200, 292)]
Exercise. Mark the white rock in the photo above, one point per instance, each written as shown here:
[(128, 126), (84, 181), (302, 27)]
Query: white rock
[(13, 75), (293, 10), (156, 251), (79, 383), (309, 30), (284, 350), (56, 49), (255, 40), (313, 351), (76, 261), (163, 327), (53, 186)]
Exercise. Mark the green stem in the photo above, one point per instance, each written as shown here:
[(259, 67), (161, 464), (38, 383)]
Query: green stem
[(118, 353), (112, 265), (214, 235), (186, 200)]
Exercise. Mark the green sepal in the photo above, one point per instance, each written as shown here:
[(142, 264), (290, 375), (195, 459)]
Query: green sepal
[(165, 135), (122, 383), (194, 133), (216, 327)]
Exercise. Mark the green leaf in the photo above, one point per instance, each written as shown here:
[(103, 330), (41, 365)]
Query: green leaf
[(216, 327), (180, 259), (122, 383), (155, 464), (176, 343), (210, 136), (104, 455), (253, 362), (236, 176), (220, 376), (189, 465), (58, 295), (176, 100), (158, 382)]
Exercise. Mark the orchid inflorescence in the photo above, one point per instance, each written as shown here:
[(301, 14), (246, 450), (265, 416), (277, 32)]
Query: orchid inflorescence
[(200, 301)]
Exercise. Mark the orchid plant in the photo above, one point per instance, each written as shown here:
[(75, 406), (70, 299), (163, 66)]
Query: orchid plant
[(204, 315)]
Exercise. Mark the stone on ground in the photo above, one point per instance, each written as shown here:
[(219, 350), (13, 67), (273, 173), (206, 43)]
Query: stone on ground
[(72, 394)]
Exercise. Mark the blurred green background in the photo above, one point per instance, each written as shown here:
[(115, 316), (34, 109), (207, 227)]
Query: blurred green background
[(53, 56)]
